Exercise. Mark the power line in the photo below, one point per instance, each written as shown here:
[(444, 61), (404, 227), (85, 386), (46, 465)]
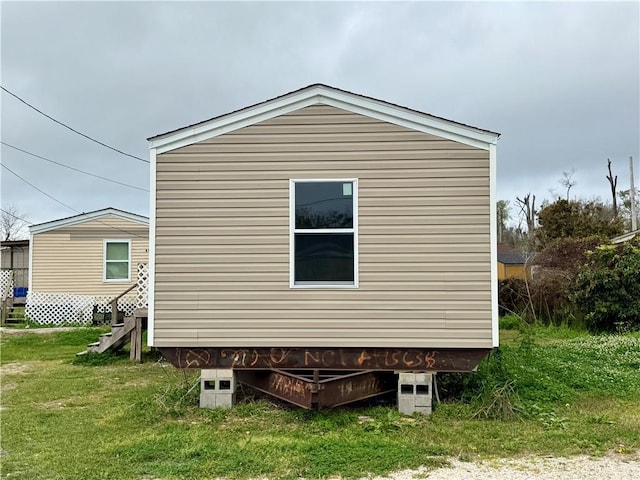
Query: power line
[(14, 216), (38, 189), (73, 129), (64, 204), (73, 168)]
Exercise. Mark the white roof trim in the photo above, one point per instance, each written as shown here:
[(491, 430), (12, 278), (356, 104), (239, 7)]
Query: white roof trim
[(85, 217), (321, 94)]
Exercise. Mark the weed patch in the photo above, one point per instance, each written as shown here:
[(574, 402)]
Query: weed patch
[(499, 403), (94, 359)]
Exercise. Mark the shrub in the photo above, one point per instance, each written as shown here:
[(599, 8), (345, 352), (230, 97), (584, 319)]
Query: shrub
[(510, 322), (491, 373), (512, 296), (607, 290), (93, 359), (545, 297), (576, 219)]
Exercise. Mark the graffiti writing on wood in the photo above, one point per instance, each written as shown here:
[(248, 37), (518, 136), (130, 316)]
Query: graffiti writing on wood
[(256, 358), (307, 358), (355, 388), (193, 358), (325, 358), (287, 386)]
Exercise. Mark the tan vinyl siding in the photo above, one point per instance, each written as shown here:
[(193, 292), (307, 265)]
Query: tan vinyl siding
[(222, 238), (70, 259)]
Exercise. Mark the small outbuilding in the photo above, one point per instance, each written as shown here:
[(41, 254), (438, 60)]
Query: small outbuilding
[(323, 230), (79, 262), (514, 265)]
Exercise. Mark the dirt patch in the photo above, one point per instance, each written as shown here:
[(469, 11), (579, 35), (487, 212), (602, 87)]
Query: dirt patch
[(5, 387), (12, 369), (22, 331), (53, 405)]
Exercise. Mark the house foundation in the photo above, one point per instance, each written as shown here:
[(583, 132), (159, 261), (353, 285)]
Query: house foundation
[(319, 389), (217, 388), (415, 392)]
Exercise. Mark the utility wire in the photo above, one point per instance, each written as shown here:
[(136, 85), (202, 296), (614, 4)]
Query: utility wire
[(38, 189), (14, 216), (73, 129), (64, 204), (73, 168)]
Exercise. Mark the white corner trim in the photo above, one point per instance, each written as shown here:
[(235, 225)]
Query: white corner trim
[(152, 250), (30, 261), (493, 235), (320, 94)]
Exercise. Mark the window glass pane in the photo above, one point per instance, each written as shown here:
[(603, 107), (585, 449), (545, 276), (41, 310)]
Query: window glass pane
[(117, 251), (324, 204), (117, 270), (324, 257)]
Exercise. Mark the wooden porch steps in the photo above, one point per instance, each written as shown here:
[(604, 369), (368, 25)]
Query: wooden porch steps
[(129, 331), (114, 340), (14, 316)]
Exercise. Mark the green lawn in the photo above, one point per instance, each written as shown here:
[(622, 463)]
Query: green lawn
[(106, 418)]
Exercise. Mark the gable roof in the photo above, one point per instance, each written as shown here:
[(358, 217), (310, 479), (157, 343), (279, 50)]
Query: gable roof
[(513, 258), (319, 94), (85, 217)]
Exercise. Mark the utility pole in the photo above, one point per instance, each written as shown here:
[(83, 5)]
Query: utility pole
[(632, 195)]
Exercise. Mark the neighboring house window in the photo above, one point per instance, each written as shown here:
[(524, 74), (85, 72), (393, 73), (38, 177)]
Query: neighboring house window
[(324, 233), (117, 260)]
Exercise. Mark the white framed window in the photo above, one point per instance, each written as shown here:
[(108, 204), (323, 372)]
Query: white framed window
[(323, 233), (117, 260)]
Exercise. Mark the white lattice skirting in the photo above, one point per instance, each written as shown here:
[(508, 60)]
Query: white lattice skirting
[(6, 284), (59, 308), (127, 304), (65, 308), (143, 286)]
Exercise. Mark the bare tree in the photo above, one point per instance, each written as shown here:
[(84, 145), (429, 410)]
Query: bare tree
[(567, 180), (502, 210), (527, 206), (613, 182), (12, 223)]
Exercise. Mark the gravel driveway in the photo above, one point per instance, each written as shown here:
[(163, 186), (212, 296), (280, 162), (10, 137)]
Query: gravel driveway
[(612, 467)]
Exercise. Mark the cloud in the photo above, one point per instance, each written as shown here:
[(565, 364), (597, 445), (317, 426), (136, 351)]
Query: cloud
[(558, 80)]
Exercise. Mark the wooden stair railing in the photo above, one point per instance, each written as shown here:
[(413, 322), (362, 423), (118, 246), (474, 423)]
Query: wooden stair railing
[(114, 304), (129, 331)]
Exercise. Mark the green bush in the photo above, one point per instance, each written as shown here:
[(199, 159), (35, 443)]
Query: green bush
[(607, 290), (510, 322), (512, 296), (94, 359)]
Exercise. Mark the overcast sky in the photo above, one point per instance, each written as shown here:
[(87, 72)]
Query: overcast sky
[(559, 81)]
